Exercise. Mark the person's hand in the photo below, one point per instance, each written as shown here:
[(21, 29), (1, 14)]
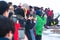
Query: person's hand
[(34, 21)]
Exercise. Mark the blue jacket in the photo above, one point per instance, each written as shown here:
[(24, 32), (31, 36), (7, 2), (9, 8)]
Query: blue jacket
[(4, 38)]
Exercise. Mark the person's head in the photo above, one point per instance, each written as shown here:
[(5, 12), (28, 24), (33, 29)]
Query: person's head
[(11, 6), (6, 28), (15, 6), (9, 3), (30, 17), (51, 10), (41, 8), (48, 8), (30, 8), (45, 9), (4, 8)]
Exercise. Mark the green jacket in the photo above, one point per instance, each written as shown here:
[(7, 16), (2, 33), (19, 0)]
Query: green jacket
[(40, 24)]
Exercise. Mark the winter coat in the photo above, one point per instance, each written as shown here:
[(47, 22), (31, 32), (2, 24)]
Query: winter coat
[(40, 24), (50, 13), (4, 38), (17, 27), (29, 25)]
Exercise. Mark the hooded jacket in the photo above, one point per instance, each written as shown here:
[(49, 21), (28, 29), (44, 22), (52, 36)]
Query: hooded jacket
[(40, 24)]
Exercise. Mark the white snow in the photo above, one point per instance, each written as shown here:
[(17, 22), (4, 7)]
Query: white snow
[(47, 35)]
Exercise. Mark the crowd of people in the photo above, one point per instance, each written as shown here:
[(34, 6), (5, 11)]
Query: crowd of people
[(32, 18)]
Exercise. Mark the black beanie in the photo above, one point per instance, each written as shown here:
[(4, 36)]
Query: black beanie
[(3, 7)]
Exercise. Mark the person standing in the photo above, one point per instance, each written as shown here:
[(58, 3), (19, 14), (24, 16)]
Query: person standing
[(7, 28), (41, 20), (29, 25)]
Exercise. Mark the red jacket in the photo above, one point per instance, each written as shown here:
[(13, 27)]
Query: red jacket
[(17, 26), (50, 13)]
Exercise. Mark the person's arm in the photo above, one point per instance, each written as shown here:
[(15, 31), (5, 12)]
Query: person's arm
[(25, 12), (44, 20), (30, 25)]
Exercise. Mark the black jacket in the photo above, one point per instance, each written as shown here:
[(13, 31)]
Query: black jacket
[(29, 24)]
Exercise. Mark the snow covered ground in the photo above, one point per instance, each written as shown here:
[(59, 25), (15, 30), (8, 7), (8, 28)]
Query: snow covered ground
[(47, 35)]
